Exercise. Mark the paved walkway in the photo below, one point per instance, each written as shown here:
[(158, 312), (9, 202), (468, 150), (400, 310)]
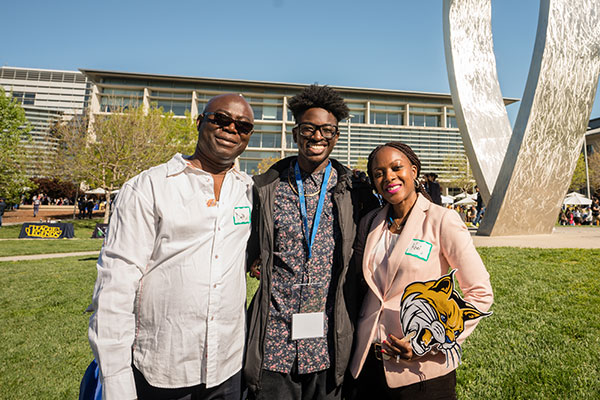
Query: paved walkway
[(562, 237), (574, 237), (53, 255)]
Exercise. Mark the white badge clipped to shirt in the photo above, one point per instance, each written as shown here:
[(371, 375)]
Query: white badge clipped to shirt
[(308, 325), (310, 321)]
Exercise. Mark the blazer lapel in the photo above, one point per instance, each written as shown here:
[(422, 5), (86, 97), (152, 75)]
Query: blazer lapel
[(377, 229), (412, 226)]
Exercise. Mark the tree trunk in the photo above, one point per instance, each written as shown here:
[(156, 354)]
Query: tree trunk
[(107, 208)]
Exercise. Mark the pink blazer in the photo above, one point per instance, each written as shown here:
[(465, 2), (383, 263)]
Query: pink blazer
[(452, 247)]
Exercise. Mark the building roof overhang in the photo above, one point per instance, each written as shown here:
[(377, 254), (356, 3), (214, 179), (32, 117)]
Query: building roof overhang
[(96, 75)]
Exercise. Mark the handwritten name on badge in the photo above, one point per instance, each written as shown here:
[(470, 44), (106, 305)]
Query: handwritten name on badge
[(241, 215), (420, 249)]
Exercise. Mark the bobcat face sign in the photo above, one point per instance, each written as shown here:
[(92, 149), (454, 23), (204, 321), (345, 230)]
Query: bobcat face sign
[(433, 314)]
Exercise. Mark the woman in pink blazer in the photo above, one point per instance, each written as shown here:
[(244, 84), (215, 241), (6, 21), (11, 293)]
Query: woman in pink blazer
[(409, 239)]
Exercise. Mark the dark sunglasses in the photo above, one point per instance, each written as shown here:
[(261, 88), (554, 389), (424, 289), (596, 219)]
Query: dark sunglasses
[(223, 120)]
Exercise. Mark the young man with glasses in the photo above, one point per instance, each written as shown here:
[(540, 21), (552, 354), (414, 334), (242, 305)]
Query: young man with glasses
[(305, 213), (169, 301)]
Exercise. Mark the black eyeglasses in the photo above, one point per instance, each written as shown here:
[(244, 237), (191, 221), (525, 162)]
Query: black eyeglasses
[(223, 120), (307, 129)]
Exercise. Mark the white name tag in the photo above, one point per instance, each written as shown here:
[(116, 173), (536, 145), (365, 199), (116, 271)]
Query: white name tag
[(241, 215), (420, 249), (308, 325)]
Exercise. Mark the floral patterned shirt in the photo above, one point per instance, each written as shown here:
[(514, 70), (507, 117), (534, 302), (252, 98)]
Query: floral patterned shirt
[(291, 268)]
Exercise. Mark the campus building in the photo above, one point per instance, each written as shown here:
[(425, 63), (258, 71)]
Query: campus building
[(425, 121), (47, 96), (592, 136)]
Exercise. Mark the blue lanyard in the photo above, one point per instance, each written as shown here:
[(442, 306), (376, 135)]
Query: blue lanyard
[(317, 219)]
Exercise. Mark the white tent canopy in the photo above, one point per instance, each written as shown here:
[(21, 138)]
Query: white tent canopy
[(465, 195), (100, 191), (466, 201), (96, 191), (447, 199), (577, 201)]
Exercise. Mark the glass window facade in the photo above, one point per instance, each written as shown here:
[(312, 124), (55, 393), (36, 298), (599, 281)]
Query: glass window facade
[(24, 98), (425, 122)]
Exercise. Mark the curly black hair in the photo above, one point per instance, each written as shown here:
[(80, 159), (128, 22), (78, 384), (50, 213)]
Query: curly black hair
[(319, 97), (412, 157)]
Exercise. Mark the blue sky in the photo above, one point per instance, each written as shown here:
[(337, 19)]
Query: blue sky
[(388, 44)]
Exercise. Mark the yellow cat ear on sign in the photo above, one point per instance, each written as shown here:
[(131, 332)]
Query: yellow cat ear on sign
[(433, 315)]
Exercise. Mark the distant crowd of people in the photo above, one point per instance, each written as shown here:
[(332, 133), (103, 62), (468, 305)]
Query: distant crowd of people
[(577, 215), (469, 213), (42, 199), (45, 200)]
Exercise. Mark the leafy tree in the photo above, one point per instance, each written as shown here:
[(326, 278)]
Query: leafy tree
[(108, 150), (14, 134), (264, 165), (56, 188), (578, 179), (456, 171)]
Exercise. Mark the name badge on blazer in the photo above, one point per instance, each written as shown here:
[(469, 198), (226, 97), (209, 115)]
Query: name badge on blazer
[(420, 249), (241, 215)]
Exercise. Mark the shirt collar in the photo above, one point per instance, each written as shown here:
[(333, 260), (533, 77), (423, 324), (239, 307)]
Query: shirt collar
[(178, 164)]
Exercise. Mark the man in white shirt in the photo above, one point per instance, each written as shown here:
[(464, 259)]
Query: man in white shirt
[(170, 295)]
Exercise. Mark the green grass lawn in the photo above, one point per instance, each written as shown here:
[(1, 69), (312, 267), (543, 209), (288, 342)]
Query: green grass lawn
[(35, 246), (541, 342), (82, 228)]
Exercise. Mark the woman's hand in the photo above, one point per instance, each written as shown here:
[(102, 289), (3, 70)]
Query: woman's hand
[(255, 269), (399, 349)]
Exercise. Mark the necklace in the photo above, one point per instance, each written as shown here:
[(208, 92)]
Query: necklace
[(296, 191), (396, 224)]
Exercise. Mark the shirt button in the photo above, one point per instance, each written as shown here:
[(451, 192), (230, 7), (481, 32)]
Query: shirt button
[(215, 285), (211, 318), (217, 256)]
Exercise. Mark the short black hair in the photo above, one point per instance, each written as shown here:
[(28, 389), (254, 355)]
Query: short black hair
[(316, 96)]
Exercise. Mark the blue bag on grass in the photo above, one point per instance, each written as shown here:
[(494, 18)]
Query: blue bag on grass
[(91, 388)]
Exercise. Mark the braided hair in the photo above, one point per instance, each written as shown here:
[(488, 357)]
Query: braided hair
[(412, 157)]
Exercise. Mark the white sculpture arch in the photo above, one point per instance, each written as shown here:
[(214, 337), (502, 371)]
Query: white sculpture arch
[(524, 173)]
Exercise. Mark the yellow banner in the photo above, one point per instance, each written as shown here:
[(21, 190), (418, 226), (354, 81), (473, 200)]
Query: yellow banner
[(43, 231)]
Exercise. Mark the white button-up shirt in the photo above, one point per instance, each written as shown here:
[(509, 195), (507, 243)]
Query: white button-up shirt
[(171, 285)]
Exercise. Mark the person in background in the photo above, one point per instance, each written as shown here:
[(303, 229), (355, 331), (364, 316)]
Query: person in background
[(89, 207), (36, 204), (433, 188), (596, 211), (480, 207), (2, 208)]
